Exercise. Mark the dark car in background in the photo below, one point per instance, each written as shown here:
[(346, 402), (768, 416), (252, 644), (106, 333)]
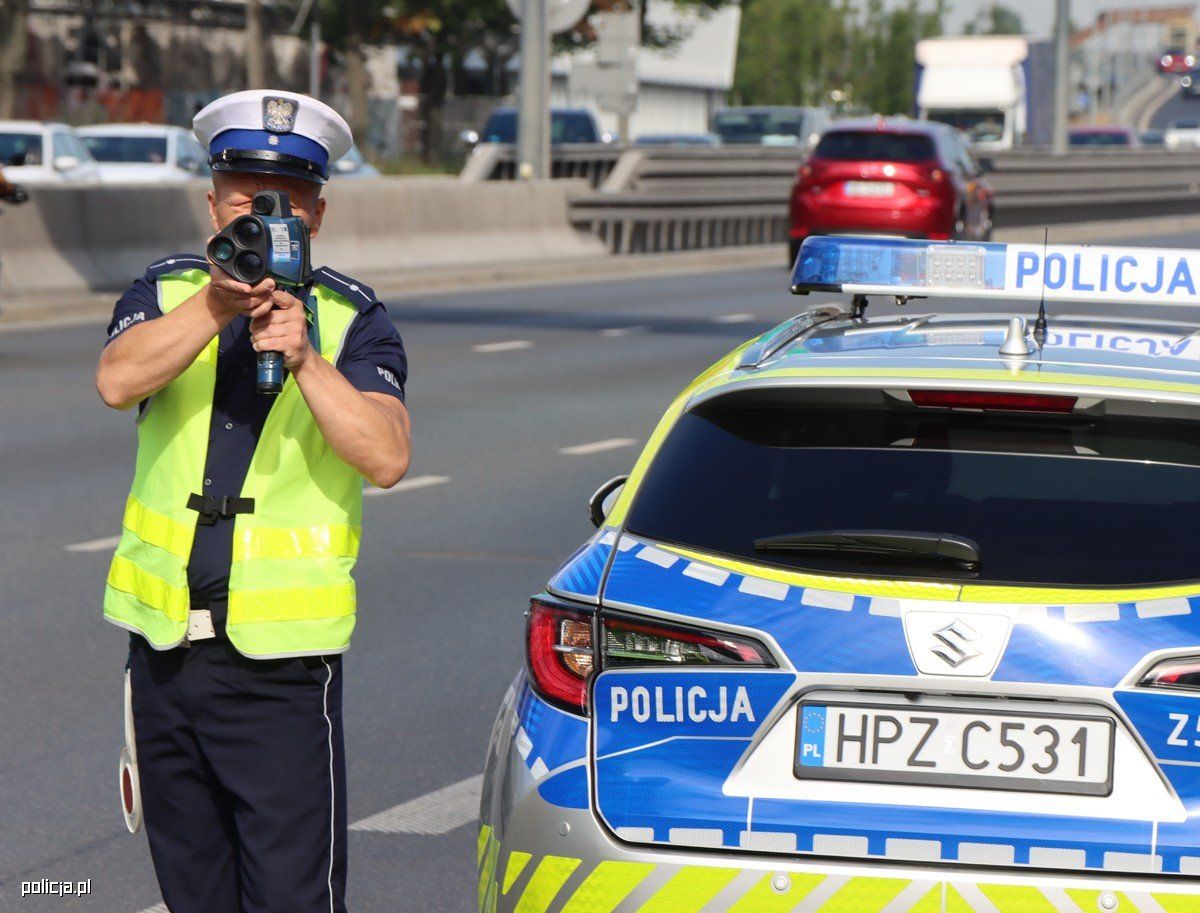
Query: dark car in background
[(915, 179), (1083, 137), (678, 139), (770, 125), (567, 125)]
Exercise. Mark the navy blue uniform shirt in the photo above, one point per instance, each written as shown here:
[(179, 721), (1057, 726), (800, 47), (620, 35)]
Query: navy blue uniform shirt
[(372, 359)]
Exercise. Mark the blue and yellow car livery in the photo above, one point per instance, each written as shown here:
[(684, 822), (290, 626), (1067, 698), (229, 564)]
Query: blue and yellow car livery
[(892, 615)]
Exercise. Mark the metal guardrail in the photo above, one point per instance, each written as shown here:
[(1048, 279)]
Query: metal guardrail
[(658, 199), (498, 162)]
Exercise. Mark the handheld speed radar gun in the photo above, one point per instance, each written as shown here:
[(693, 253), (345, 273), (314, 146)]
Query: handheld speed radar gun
[(270, 243)]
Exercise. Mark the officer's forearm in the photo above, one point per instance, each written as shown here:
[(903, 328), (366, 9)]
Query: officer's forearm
[(368, 431), (148, 356)]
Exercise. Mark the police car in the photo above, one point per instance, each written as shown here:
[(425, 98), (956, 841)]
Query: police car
[(894, 614)]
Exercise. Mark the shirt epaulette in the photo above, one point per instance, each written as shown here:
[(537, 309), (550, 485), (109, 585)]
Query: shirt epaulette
[(176, 263), (362, 296)]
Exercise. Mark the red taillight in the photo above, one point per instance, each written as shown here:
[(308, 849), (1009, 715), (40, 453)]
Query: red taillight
[(1005, 402), (559, 647), (1181, 673), (641, 643)]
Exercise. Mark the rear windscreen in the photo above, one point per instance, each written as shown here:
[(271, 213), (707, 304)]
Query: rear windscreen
[(19, 149), (871, 145), (738, 126), (142, 150), (1048, 499)]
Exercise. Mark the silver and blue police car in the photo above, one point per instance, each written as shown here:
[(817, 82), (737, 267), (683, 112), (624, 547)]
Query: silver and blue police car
[(894, 614)]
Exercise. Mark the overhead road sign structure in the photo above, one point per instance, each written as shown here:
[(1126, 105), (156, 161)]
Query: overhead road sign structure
[(1055, 272)]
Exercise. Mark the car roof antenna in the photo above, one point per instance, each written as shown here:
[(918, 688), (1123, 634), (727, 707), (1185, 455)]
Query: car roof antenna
[(1039, 325)]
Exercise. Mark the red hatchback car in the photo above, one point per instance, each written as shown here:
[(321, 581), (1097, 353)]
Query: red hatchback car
[(916, 179), (1176, 60)]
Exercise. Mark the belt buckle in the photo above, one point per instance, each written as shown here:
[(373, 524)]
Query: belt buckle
[(200, 625)]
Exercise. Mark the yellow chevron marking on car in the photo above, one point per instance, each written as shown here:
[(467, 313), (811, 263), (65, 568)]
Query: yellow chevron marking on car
[(485, 834), (516, 865), (1017, 899), (865, 895), (899, 589), (689, 890), (1071, 595), (609, 884), (1178, 903), (942, 898), (763, 898), (545, 883), (999, 374), (488, 870), (1090, 900)]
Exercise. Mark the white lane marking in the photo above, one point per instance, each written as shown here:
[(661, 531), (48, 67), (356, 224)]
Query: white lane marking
[(617, 332), (106, 544), (510, 346), (612, 443), (733, 318), (405, 485), (438, 812)]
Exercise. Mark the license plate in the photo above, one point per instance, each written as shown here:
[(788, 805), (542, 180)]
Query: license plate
[(925, 746), (870, 189)]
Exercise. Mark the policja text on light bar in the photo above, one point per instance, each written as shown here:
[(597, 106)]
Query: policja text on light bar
[(906, 268)]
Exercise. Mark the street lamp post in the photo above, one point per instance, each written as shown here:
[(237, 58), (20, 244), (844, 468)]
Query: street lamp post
[(533, 118), (1062, 75)]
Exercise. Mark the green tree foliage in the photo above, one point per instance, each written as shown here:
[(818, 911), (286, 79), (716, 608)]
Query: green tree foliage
[(998, 19), (808, 52)]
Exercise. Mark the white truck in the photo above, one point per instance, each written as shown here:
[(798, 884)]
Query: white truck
[(999, 90)]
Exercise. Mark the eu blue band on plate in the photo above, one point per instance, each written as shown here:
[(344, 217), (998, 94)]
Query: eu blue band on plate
[(969, 269)]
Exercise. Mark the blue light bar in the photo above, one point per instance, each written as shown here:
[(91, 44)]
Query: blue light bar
[(970, 269)]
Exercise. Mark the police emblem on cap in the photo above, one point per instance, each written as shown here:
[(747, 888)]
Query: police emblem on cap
[(279, 114)]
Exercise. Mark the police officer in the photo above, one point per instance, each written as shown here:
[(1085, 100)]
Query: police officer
[(234, 566)]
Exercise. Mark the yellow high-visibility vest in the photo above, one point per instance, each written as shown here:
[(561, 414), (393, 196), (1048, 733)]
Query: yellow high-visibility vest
[(290, 587)]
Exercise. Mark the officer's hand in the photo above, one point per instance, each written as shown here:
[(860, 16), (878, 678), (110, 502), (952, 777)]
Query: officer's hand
[(238, 297), (282, 329)]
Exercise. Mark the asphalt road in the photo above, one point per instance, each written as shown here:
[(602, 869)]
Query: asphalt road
[(1178, 105), (448, 563)]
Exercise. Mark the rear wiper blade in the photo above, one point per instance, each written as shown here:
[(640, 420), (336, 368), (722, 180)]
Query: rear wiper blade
[(879, 543)]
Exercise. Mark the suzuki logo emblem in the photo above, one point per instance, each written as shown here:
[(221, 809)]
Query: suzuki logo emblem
[(954, 643)]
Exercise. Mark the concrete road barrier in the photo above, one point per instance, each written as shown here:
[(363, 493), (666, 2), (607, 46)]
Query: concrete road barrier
[(67, 242)]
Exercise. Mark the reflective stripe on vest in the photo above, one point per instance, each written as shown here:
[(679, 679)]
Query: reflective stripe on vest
[(290, 585)]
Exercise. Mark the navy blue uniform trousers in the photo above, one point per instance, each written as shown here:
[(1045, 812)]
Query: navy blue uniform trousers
[(243, 778)]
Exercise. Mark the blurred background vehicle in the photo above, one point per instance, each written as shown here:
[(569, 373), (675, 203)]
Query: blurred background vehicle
[(771, 125), (353, 165), (41, 153), (998, 90), (145, 153), (1176, 60), (1151, 137), (678, 139), (891, 176), (1189, 83), (567, 125), (1183, 133), (1102, 136)]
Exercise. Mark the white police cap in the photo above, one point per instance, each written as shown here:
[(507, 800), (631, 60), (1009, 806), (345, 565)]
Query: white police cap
[(272, 132)]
